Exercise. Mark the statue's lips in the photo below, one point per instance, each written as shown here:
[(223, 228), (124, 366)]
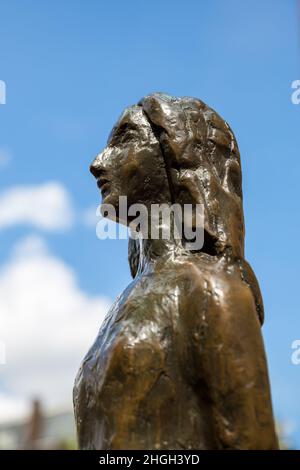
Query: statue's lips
[(103, 184)]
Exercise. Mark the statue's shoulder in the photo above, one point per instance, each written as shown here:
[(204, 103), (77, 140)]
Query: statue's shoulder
[(217, 292)]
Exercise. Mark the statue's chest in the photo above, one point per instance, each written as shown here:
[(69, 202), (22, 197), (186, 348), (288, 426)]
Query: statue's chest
[(137, 341)]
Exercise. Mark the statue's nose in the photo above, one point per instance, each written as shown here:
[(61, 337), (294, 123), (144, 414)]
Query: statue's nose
[(96, 167)]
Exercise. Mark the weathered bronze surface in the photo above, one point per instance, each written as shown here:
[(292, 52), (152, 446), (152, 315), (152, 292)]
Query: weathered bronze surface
[(179, 361)]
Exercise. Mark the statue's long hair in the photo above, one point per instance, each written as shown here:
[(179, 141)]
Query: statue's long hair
[(202, 162)]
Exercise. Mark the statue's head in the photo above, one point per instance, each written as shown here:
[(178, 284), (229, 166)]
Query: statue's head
[(177, 150)]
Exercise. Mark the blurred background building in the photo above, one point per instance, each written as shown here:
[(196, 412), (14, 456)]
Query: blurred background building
[(40, 430)]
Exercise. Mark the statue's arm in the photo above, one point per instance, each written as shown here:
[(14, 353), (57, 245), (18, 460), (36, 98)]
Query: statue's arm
[(235, 373)]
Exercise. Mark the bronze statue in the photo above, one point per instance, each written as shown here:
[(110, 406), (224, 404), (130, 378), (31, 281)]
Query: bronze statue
[(179, 361)]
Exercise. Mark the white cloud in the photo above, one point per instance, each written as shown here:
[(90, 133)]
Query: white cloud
[(46, 206), (47, 324)]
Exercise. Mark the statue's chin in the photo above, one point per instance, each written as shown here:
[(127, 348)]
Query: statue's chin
[(107, 198)]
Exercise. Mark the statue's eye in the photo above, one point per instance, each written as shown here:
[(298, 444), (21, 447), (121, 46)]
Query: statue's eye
[(123, 133)]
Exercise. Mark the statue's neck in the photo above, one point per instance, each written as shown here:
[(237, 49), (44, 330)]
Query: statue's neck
[(152, 250)]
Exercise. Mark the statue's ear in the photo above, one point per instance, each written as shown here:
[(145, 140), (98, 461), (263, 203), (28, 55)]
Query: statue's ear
[(133, 255)]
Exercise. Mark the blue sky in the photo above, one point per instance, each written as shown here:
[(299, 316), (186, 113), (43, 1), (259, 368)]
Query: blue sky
[(71, 67)]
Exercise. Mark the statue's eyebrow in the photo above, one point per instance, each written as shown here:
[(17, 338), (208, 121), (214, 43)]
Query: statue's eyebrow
[(121, 129)]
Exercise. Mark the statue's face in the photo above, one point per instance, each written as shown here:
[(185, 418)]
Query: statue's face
[(132, 164)]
